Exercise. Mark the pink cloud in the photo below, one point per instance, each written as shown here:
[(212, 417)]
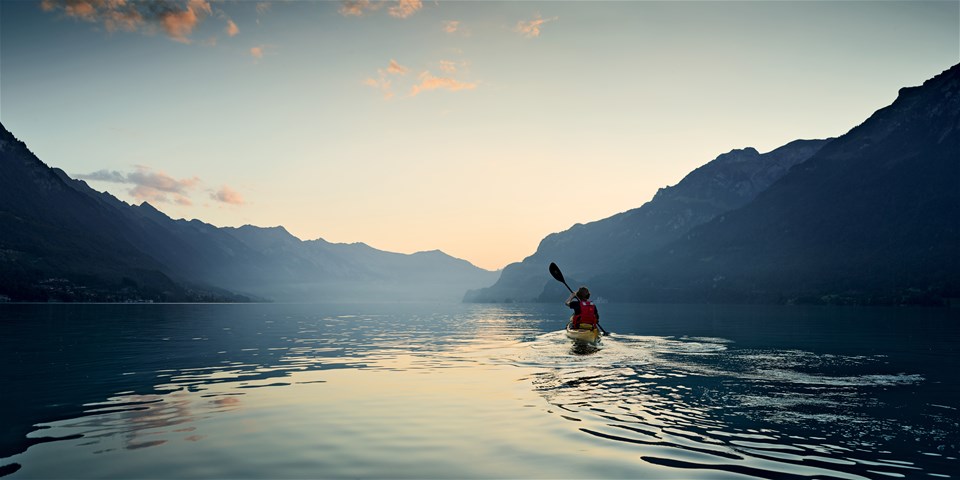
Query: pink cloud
[(405, 8), (531, 29), (158, 180), (446, 66), (451, 26), (180, 24), (356, 8), (397, 8), (232, 28), (381, 84), (228, 195), (81, 9), (257, 52), (430, 82), (148, 184), (396, 69), (177, 18)]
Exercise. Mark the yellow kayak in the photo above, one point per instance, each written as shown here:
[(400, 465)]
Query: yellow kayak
[(586, 333)]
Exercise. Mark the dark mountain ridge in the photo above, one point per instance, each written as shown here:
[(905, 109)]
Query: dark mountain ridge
[(725, 183), (62, 240), (871, 217), (56, 241)]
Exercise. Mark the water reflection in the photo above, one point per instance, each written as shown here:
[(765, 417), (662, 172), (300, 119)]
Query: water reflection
[(773, 414), (346, 391)]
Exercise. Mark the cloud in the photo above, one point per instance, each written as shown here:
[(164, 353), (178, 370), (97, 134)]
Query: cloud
[(405, 8), (451, 26), (381, 84), (257, 52), (384, 80), (157, 180), (397, 8), (227, 195), (356, 8), (446, 66), (179, 24), (176, 18), (148, 184), (104, 176), (263, 7), (232, 28), (430, 82), (396, 69), (531, 29)]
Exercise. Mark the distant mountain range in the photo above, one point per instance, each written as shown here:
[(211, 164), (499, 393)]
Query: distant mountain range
[(62, 240), (871, 217)]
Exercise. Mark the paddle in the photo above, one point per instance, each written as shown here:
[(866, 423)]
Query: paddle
[(558, 275)]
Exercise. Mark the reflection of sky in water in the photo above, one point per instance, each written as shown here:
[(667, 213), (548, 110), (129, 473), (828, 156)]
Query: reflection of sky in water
[(472, 391)]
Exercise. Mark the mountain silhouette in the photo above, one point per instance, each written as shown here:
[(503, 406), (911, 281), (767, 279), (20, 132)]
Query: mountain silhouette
[(728, 182), (62, 240), (871, 217)]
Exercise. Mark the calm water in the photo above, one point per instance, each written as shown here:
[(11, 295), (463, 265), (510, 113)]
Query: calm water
[(427, 390)]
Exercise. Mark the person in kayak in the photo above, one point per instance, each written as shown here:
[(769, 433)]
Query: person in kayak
[(584, 311)]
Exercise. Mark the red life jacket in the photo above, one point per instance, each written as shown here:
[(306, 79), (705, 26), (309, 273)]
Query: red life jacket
[(588, 314)]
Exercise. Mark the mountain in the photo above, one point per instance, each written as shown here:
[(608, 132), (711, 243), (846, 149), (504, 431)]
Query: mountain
[(62, 240), (726, 183), (58, 243), (871, 217)]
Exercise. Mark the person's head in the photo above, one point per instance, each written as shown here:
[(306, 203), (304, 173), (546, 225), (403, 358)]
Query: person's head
[(583, 293)]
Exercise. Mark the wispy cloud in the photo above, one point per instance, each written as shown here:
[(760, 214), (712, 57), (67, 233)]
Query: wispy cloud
[(356, 8), (262, 9), (382, 82), (232, 28), (179, 24), (429, 82), (396, 8), (447, 66), (148, 184), (260, 51), (531, 29), (451, 26), (405, 8), (176, 18), (425, 81), (227, 195), (396, 69)]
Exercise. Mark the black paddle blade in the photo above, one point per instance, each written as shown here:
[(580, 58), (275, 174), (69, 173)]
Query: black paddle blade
[(555, 271)]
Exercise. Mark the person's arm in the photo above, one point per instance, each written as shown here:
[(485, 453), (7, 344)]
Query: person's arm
[(574, 303)]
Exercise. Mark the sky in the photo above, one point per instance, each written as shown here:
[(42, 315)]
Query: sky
[(476, 128)]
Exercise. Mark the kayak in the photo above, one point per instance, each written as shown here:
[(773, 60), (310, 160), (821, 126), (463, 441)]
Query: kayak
[(585, 334)]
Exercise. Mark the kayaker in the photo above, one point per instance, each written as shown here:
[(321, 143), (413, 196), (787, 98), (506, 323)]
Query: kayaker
[(584, 311)]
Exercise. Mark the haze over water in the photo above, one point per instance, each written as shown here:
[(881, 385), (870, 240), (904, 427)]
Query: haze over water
[(431, 390)]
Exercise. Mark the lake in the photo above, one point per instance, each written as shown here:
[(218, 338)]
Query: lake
[(477, 391)]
